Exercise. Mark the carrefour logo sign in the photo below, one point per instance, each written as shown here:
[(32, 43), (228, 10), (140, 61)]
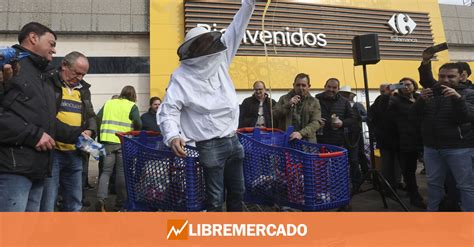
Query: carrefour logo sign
[(402, 24)]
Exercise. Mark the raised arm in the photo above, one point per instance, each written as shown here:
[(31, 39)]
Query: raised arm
[(236, 30)]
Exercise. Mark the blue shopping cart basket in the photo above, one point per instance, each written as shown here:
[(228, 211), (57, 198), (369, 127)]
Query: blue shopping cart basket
[(158, 180), (298, 174)]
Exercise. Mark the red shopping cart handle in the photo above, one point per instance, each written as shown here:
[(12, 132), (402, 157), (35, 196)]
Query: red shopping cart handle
[(331, 155), (250, 129), (137, 132)]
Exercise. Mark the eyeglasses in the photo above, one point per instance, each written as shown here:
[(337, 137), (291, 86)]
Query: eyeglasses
[(76, 74), (258, 89)]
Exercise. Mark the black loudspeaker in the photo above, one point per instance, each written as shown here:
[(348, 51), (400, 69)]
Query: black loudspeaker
[(365, 49)]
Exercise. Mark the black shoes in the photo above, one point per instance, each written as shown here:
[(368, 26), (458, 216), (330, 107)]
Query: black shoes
[(417, 201), (89, 187), (86, 203), (401, 186), (100, 206)]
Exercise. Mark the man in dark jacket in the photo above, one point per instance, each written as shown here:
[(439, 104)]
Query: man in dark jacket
[(149, 121), (426, 74), (27, 125), (356, 135), (337, 117), (386, 135), (409, 137), (77, 114), (451, 201), (255, 110), (447, 111)]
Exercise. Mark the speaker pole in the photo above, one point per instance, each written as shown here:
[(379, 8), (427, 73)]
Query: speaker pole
[(367, 105), (376, 176)]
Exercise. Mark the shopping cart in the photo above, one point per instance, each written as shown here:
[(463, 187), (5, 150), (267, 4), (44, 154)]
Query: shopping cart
[(297, 174), (158, 180)]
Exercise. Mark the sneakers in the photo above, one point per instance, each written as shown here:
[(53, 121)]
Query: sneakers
[(100, 206)]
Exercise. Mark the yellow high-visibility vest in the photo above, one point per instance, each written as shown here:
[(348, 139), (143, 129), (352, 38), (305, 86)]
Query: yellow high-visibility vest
[(115, 118)]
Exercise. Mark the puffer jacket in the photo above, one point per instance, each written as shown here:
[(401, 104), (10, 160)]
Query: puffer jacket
[(28, 109), (382, 124), (407, 122), (342, 108), (447, 122)]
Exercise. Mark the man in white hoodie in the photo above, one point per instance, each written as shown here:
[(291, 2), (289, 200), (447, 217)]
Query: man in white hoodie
[(202, 102)]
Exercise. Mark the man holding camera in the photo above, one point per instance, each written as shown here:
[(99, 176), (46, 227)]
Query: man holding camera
[(447, 112), (426, 74)]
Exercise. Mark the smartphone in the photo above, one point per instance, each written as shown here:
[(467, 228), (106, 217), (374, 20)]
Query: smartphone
[(437, 48), (396, 86), (437, 91)]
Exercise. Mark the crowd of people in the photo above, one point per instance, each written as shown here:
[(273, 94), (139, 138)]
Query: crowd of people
[(44, 110)]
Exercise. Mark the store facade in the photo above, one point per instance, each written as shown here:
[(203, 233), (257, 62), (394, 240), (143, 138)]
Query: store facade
[(307, 36)]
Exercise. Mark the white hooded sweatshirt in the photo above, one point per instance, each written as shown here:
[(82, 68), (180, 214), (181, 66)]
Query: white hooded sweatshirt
[(201, 99)]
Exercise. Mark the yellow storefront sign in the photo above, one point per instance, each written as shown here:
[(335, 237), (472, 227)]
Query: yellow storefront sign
[(168, 26)]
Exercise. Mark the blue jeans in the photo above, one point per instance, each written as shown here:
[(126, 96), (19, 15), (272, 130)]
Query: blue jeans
[(20, 194), (67, 173), (222, 159), (460, 162)]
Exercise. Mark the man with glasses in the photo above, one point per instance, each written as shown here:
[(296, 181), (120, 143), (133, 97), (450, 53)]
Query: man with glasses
[(255, 111), (75, 117), (299, 109), (447, 112)]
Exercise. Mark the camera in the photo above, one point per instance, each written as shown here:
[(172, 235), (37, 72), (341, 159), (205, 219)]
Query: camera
[(396, 86), (437, 48), (437, 91)]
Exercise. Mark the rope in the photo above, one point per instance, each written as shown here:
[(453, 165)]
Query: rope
[(267, 5)]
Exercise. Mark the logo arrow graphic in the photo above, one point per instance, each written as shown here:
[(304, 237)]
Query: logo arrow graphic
[(177, 231)]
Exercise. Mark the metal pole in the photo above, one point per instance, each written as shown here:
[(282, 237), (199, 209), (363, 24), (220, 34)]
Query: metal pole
[(367, 105)]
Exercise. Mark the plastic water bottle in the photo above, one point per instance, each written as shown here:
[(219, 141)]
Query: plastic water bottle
[(9, 55), (90, 146)]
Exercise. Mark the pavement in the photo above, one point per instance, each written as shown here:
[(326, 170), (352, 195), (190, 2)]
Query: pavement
[(369, 201)]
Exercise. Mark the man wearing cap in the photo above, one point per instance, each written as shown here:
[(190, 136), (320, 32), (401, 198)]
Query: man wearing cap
[(201, 101), (356, 132)]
